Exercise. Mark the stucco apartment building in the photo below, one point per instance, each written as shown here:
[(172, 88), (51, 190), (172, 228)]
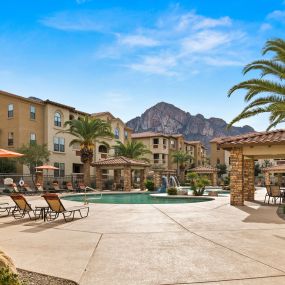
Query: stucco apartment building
[(31, 119), (162, 146)]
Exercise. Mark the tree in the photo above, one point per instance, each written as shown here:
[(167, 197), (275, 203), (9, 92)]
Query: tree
[(271, 91), (222, 169), (131, 149), (34, 155), (87, 131), (180, 158), (7, 165)]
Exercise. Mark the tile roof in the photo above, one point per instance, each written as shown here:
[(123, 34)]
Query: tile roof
[(120, 161), (148, 135), (275, 168), (271, 137), (204, 169)]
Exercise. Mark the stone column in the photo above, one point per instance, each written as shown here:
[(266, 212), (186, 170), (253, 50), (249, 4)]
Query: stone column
[(157, 179), (127, 179), (214, 179), (142, 179), (248, 179), (117, 176), (267, 178), (99, 184), (236, 177)]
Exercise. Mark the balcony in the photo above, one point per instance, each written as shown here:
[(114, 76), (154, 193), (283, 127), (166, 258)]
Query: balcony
[(155, 145)]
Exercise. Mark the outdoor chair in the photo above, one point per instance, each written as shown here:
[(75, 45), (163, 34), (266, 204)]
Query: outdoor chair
[(23, 208), (268, 193), (69, 186), (28, 189), (6, 209), (56, 207), (81, 187), (55, 187), (276, 193)]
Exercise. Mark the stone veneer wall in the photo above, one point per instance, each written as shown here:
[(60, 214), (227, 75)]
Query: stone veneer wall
[(248, 179), (236, 177)]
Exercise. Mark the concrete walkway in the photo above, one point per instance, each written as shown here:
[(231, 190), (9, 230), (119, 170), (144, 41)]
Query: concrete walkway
[(209, 243)]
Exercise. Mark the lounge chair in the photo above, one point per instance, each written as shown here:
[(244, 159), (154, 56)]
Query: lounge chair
[(23, 207), (81, 187), (56, 207), (28, 189), (6, 209), (69, 186), (39, 188)]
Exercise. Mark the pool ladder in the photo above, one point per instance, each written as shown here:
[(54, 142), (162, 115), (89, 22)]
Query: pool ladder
[(85, 195)]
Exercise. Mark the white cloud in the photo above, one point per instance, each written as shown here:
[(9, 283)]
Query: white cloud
[(277, 15), (205, 41), (161, 65), (265, 27), (220, 61), (137, 40)]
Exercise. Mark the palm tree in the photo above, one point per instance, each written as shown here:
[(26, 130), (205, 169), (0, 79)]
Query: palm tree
[(86, 132), (131, 149), (273, 89), (180, 157)]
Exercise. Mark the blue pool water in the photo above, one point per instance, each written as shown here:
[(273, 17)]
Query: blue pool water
[(143, 198)]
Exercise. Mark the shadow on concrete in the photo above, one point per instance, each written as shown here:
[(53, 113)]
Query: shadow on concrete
[(259, 212)]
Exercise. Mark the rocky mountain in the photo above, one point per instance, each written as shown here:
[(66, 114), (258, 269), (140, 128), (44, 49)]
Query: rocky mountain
[(167, 118)]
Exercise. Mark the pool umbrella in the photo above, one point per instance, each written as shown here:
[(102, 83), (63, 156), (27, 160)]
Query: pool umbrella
[(46, 167), (8, 153)]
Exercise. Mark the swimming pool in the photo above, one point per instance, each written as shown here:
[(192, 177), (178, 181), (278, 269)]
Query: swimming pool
[(136, 198)]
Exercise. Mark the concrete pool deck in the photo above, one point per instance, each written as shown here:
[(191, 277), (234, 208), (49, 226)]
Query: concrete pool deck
[(208, 242)]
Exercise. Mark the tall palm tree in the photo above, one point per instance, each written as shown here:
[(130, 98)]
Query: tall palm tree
[(181, 157), (86, 132), (265, 95), (131, 149)]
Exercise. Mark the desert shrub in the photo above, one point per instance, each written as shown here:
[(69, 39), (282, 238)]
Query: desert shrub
[(199, 186), (149, 185), (227, 181), (191, 177), (9, 278), (172, 191)]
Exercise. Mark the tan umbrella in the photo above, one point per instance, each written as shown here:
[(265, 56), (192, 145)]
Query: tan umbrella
[(46, 167), (8, 153)]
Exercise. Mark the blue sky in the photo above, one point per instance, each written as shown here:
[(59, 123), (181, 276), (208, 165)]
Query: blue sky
[(125, 56)]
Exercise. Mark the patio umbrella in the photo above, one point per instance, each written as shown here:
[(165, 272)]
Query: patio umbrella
[(46, 167), (8, 153)]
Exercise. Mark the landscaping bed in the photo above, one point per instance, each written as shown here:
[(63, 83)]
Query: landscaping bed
[(33, 278)]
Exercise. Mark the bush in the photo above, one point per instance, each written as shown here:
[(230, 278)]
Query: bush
[(149, 185), (172, 191), (199, 186), (9, 278)]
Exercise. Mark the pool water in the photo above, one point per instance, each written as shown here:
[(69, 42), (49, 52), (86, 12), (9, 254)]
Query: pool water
[(133, 199)]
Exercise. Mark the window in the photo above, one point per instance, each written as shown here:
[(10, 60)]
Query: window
[(163, 158), (58, 144), (218, 161), (57, 119), (164, 143), (126, 135), (32, 112), (32, 138), (172, 143), (60, 172), (10, 111), (156, 141), (117, 133), (156, 157), (103, 148), (10, 139)]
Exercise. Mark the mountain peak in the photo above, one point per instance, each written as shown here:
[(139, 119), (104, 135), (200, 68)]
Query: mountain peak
[(167, 118)]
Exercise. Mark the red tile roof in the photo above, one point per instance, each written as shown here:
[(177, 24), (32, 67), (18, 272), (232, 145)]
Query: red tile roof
[(276, 168), (148, 135), (120, 161), (204, 169), (254, 138)]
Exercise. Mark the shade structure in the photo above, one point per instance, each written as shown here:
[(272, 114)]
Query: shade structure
[(46, 167), (8, 153)]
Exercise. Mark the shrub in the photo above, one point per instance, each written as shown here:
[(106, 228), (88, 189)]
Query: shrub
[(149, 185), (172, 191), (9, 278), (199, 186), (227, 181)]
